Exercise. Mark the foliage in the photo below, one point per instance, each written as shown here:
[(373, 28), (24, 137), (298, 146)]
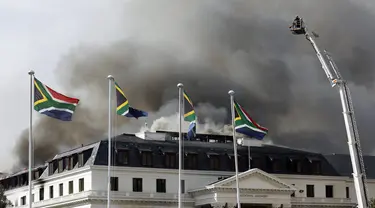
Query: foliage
[(372, 203), (4, 202)]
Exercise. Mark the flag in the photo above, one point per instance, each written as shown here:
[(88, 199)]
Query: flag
[(189, 115), (244, 124), (123, 107), (53, 104)]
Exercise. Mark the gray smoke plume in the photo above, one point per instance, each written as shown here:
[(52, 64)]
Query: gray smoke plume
[(214, 46)]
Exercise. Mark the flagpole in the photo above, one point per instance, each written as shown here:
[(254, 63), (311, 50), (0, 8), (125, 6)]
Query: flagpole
[(31, 73), (249, 156), (180, 88), (231, 93), (110, 79)]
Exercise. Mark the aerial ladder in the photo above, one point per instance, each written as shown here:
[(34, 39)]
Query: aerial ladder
[(359, 174)]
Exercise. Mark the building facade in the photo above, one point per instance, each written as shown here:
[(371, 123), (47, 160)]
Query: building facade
[(144, 174)]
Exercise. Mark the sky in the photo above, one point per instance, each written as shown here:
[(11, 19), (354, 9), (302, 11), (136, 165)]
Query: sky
[(35, 35)]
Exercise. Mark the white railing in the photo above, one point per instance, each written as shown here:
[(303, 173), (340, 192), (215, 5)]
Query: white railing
[(115, 195), (315, 200), (118, 195)]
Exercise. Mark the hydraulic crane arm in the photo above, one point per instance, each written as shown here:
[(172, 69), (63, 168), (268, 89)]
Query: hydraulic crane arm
[(333, 75)]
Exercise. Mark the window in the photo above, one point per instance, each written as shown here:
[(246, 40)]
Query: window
[(73, 160), (123, 157), (347, 192), (170, 160), (22, 179), (137, 184), (23, 200), (276, 165), (329, 191), (61, 165), (214, 162), (147, 158), (316, 168), (68, 165), (310, 191), (70, 187), (160, 186), (294, 165), (81, 184), (183, 186), (192, 162), (41, 194), (36, 174), (51, 192), (50, 168), (15, 179), (114, 183), (61, 189), (257, 162), (80, 160)]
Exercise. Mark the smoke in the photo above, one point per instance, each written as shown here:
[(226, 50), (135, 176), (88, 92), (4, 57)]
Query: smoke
[(207, 125), (212, 47)]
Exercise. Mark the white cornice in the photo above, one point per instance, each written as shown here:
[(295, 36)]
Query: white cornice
[(312, 177), (56, 176), (243, 190), (64, 174), (319, 177), (250, 173), (163, 170)]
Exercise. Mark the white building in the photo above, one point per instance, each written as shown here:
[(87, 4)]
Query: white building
[(145, 175)]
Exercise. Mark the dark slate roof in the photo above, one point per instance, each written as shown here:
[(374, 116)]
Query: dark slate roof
[(203, 146), (76, 150), (223, 147), (23, 171), (343, 165)]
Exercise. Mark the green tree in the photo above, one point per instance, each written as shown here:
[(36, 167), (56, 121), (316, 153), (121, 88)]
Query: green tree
[(372, 203), (4, 202)]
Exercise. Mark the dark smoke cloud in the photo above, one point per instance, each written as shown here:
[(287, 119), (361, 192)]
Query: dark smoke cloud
[(215, 46)]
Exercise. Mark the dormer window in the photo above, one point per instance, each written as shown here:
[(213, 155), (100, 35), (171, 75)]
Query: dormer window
[(36, 174), (67, 163), (314, 165), (191, 161), (214, 160), (123, 156), (80, 159), (294, 164), (146, 158), (73, 160), (61, 165), (51, 167), (170, 160), (257, 162), (274, 164)]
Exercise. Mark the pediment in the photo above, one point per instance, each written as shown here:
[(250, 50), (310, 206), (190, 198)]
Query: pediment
[(253, 179)]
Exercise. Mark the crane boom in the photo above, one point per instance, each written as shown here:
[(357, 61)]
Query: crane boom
[(333, 75)]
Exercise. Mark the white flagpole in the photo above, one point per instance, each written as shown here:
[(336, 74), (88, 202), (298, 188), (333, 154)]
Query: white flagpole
[(31, 73), (180, 88), (110, 79), (249, 156), (231, 93)]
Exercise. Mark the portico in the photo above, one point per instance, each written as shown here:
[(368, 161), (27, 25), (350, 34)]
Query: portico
[(258, 189)]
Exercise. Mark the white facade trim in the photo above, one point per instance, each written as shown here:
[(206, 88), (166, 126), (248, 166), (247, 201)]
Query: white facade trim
[(202, 187), (249, 173), (162, 170)]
